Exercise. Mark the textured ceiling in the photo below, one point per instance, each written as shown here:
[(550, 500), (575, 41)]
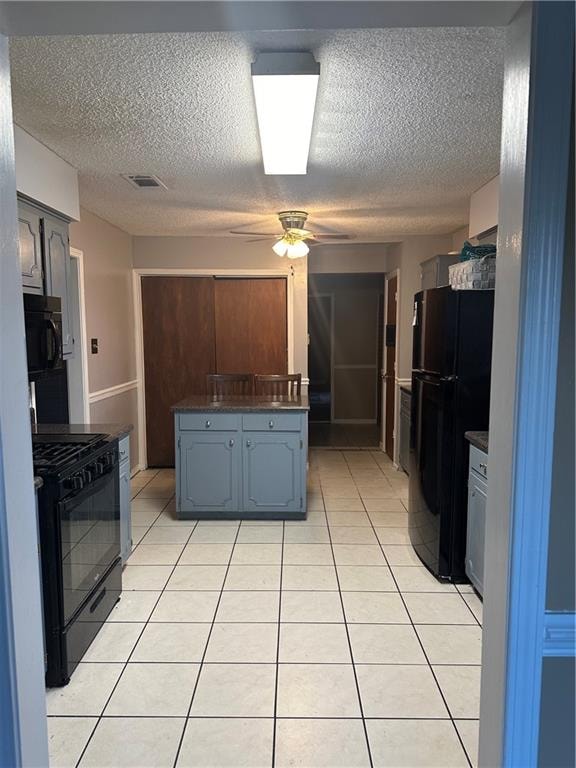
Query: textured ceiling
[(407, 126)]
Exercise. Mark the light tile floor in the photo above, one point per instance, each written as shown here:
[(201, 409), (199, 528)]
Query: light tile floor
[(316, 643)]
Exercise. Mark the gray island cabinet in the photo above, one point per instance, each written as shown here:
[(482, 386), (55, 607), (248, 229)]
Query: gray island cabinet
[(242, 457)]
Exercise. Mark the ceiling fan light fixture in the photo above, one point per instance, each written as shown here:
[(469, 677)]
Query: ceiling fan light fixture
[(298, 250), (280, 247), (285, 86)]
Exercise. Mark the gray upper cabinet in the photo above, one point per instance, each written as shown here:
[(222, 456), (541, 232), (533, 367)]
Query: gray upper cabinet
[(45, 261), (272, 467), (57, 264), (30, 249), (434, 271)]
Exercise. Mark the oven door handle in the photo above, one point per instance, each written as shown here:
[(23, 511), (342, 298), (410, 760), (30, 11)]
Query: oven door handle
[(88, 490)]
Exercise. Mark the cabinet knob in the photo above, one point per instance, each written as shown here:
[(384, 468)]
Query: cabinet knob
[(231, 443), (483, 467), (271, 424), (208, 424), (248, 443)]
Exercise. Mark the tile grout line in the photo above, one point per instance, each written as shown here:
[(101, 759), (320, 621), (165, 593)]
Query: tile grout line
[(201, 665), (420, 641), (101, 715), (278, 649), (360, 704)]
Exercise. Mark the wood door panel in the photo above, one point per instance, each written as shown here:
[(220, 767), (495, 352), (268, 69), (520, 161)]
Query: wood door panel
[(251, 325), (178, 332)]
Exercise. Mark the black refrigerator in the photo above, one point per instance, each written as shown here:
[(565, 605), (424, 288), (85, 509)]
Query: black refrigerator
[(451, 358)]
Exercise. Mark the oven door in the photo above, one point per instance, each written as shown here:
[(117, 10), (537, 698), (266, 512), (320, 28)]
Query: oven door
[(89, 538)]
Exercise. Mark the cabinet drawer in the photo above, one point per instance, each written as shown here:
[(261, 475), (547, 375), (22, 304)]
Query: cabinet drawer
[(479, 461), (271, 422), (213, 422)]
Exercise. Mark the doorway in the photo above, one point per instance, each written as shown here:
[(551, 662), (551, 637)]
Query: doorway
[(320, 358), (345, 359), (389, 369)]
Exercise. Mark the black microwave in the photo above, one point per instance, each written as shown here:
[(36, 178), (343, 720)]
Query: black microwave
[(43, 320)]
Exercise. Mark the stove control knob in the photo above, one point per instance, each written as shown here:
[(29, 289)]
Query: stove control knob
[(75, 483), (87, 475)]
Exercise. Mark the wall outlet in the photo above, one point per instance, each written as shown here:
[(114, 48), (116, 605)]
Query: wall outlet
[(94, 346)]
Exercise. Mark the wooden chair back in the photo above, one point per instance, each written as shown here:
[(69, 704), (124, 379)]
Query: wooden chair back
[(278, 385), (220, 385)]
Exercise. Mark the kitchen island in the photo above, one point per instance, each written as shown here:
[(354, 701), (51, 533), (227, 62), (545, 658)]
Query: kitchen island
[(241, 457)]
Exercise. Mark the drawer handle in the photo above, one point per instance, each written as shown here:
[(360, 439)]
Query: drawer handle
[(271, 424), (231, 443), (208, 424)]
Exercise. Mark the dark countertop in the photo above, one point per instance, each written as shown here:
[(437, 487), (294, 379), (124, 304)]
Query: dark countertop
[(241, 404), (478, 439), (113, 430)]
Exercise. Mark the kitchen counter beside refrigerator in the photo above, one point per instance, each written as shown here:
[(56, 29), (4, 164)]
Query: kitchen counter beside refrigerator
[(452, 350)]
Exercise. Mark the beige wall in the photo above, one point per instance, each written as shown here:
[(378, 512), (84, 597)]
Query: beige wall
[(344, 258), (109, 316), (219, 253), (407, 256)]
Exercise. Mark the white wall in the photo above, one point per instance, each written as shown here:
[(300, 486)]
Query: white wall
[(220, 253), (484, 208), (45, 177)]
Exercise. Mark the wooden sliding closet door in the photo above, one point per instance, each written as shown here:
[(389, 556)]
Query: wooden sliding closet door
[(178, 330), (251, 325)]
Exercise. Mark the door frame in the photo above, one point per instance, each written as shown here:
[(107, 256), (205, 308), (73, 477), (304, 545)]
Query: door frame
[(518, 632), (326, 295), (139, 273), (387, 277), (82, 347)]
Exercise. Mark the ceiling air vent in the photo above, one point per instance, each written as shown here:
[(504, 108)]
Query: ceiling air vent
[(143, 181)]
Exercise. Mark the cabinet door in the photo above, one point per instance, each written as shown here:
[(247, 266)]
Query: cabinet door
[(272, 472), (209, 472), (477, 489), (57, 258), (30, 249), (125, 516)]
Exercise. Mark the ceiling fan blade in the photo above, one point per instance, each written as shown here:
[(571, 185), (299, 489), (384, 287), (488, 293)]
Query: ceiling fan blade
[(332, 237), (254, 234), (259, 239)]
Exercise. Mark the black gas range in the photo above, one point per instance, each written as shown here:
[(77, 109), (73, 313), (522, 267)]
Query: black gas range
[(79, 523)]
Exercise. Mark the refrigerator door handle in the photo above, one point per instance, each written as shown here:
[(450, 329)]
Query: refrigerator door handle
[(449, 379)]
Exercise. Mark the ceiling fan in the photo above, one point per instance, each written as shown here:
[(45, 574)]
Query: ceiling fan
[(293, 242)]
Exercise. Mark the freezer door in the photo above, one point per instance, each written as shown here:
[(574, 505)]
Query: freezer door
[(431, 469), (435, 331)]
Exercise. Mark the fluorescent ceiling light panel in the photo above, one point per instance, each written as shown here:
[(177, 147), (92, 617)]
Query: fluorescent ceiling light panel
[(285, 86)]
